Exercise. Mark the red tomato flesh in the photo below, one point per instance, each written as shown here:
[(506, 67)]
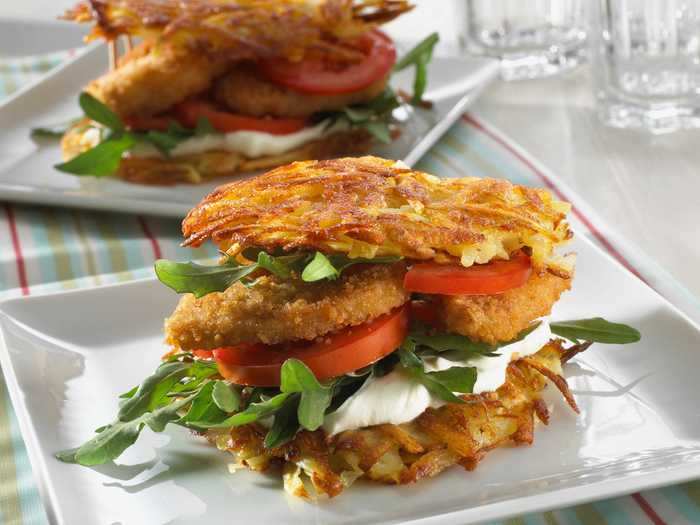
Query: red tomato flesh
[(480, 279), (335, 355), (320, 77), (190, 111)]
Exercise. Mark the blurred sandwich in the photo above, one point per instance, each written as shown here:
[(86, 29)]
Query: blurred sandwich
[(219, 87)]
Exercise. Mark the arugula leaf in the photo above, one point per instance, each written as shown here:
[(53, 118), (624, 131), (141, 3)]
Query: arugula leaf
[(285, 425), (414, 366), (331, 266), (379, 130), (254, 412), (456, 378), (281, 266), (114, 439), (203, 407), (105, 446), (129, 394), (152, 390), (597, 330), (203, 127), (315, 398), (200, 279), (158, 419), (100, 161), (99, 112), (226, 396), (319, 268), (162, 140), (419, 57), (459, 346)]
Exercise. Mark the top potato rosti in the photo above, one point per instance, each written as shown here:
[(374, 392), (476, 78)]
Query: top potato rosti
[(367, 207)]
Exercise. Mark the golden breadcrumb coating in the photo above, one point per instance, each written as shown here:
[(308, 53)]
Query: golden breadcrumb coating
[(208, 165), (241, 28), (368, 207), (150, 81), (454, 434), (244, 90), (276, 311), (500, 318)]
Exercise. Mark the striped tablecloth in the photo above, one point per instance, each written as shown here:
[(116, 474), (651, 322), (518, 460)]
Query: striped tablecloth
[(48, 249)]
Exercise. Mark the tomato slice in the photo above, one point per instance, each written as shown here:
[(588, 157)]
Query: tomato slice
[(319, 77), (481, 279), (203, 354), (190, 111), (334, 355)]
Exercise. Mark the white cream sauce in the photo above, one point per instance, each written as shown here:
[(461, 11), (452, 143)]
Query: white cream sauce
[(397, 398), (252, 144)]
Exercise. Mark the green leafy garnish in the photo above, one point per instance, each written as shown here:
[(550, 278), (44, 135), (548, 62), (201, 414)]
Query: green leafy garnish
[(201, 280), (456, 379), (198, 279), (101, 160), (120, 435), (285, 425), (597, 330), (226, 396), (331, 266), (413, 365), (99, 112), (254, 412), (419, 57), (315, 398), (104, 158)]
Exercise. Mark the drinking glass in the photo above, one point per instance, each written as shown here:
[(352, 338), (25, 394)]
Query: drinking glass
[(646, 63), (533, 38)]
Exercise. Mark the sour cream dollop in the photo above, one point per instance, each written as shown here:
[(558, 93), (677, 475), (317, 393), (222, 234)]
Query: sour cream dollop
[(398, 398), (252, 144)]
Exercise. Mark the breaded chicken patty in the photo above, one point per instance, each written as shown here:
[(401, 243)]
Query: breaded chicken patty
[(275, 311), (244, 90), (500, 318), (149, 81)]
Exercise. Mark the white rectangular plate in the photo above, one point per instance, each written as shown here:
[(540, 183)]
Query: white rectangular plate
[(27, 175), (67, 356)]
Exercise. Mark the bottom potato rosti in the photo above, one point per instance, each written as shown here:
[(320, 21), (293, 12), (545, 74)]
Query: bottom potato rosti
[(276, 311), (454, 434)]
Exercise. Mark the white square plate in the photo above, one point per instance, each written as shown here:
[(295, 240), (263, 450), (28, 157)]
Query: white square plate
[(67, 356), (27, 175)]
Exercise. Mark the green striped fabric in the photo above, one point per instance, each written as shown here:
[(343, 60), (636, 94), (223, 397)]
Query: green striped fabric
[(44, 250)]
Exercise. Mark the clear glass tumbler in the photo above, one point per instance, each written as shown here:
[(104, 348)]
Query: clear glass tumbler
[(646, 63), (533, 38)]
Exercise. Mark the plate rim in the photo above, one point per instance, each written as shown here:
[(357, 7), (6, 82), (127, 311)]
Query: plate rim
[(509, 507)]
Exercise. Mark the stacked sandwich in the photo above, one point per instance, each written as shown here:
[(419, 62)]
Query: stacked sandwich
[(218, 87), (365, 320)]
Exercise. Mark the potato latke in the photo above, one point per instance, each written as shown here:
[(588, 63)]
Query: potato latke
[(368, 207)]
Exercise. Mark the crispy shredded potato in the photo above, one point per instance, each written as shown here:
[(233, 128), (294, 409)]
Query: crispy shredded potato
[(367, 207), (246, 28), (316, 467)]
